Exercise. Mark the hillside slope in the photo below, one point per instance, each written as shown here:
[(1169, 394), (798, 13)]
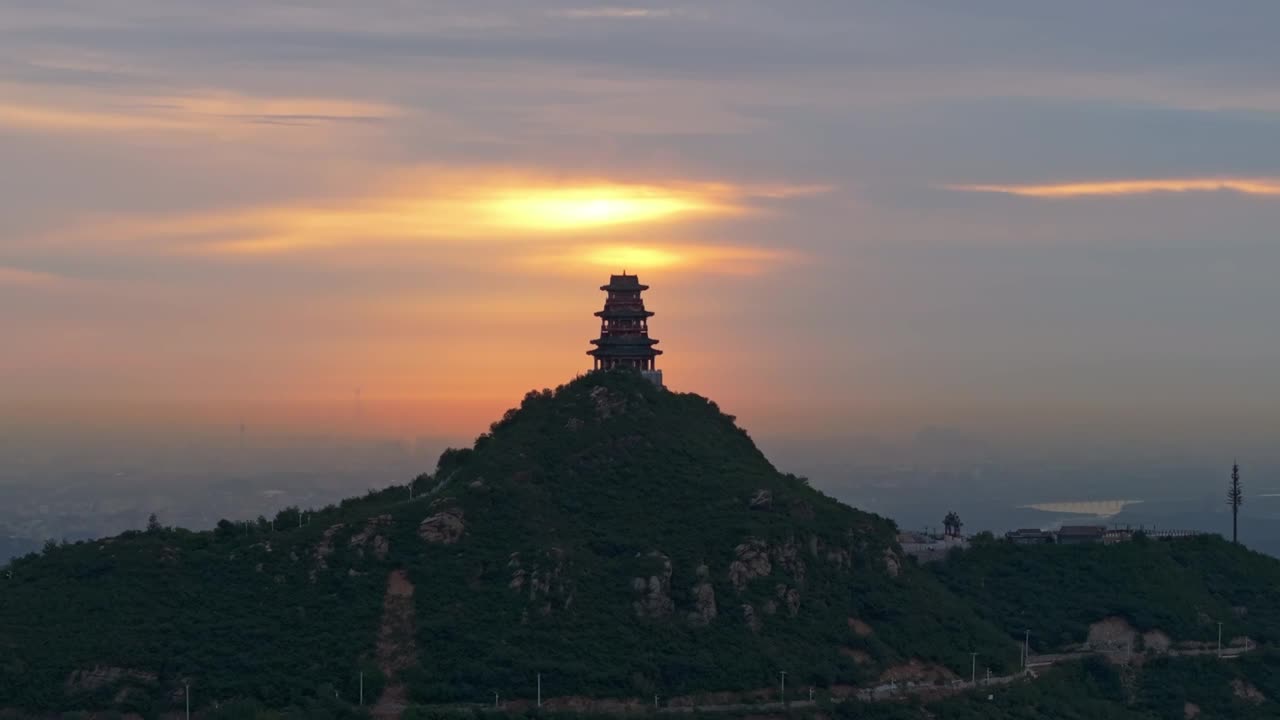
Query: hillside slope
[(614, 537), (615, 540)]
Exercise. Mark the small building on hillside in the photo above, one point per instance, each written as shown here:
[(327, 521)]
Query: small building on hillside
[(1029, 536), (1079, 534)]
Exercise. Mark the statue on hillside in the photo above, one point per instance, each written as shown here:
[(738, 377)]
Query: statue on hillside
[(951, 525)]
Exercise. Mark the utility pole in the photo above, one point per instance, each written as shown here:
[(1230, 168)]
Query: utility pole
[(539, 689), (973, 669), (187, 687), (362, 689), (783, 696), (495, 699), (1235, 498), (655, 702), (1219, 639), (1026, 651), (810, 693)]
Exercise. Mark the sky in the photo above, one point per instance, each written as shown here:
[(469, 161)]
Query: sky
[(392, 217)]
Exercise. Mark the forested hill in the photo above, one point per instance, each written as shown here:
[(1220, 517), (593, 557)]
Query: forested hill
[(614, 538)]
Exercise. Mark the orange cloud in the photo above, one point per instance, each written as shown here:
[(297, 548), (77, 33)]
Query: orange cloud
[(719, 259), (210, 111), (30, 279), (441, 206), (1245, 186)]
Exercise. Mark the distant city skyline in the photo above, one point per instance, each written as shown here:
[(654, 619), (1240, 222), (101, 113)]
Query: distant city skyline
[(1033, 222)]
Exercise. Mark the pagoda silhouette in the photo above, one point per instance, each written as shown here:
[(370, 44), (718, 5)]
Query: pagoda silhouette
[(624, 340)]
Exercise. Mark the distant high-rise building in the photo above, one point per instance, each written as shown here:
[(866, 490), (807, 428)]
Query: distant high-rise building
[(624, 329)]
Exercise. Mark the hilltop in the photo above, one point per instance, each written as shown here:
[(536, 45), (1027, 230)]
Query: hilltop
[(611, 538)]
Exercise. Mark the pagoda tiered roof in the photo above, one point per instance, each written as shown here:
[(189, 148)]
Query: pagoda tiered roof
[(624, 282), (621, 312)]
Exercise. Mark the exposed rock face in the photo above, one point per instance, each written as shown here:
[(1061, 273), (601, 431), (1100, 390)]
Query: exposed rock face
[(395, 650), (860, 628), (839, 557), (1156, 642), (761, 500), (444, 527), (1247, 692), (324, 549), (518, 574), (792, 598), (751, 618), (892, 564), (655, 600), (1190, 710), (752, 561), (545, 581), (608, 403), (788, 557), (101, 676), (1111, 634), (704, 599), (915, 670), (371, 536), (860, 657)]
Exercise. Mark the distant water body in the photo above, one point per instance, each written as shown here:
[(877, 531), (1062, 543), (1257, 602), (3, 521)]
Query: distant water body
[(1096, 508)]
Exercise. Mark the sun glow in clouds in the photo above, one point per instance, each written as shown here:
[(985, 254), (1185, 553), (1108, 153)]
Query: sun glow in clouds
[(436, 206), (719, 259), (569, 208), (1245, 186)]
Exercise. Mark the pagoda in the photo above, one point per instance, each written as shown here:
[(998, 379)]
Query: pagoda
[(624, 329)]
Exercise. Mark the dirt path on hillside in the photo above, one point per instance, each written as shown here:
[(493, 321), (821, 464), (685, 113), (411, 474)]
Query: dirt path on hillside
[(397, 650)]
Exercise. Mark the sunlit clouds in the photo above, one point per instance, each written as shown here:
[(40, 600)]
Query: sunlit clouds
[(1244, 186), (18, 278), (662, 257), (857, 210), (222, 112), (462, 207), (613, 13)]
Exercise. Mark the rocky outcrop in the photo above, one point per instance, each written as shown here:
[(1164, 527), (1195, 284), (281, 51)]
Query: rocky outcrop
[(371, 537), (1155, 641), (917, 671), (704, 599), (105, 676), (444, 527), (792, 599), (1113, 634), (608, 403), (751, 618), (751, 561), (860, 628), (840, 557), (654, 591), (324, 549), (1247, 692), (892, 564), (545, 581), (859, 657), (762, 499), (788, 558)]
